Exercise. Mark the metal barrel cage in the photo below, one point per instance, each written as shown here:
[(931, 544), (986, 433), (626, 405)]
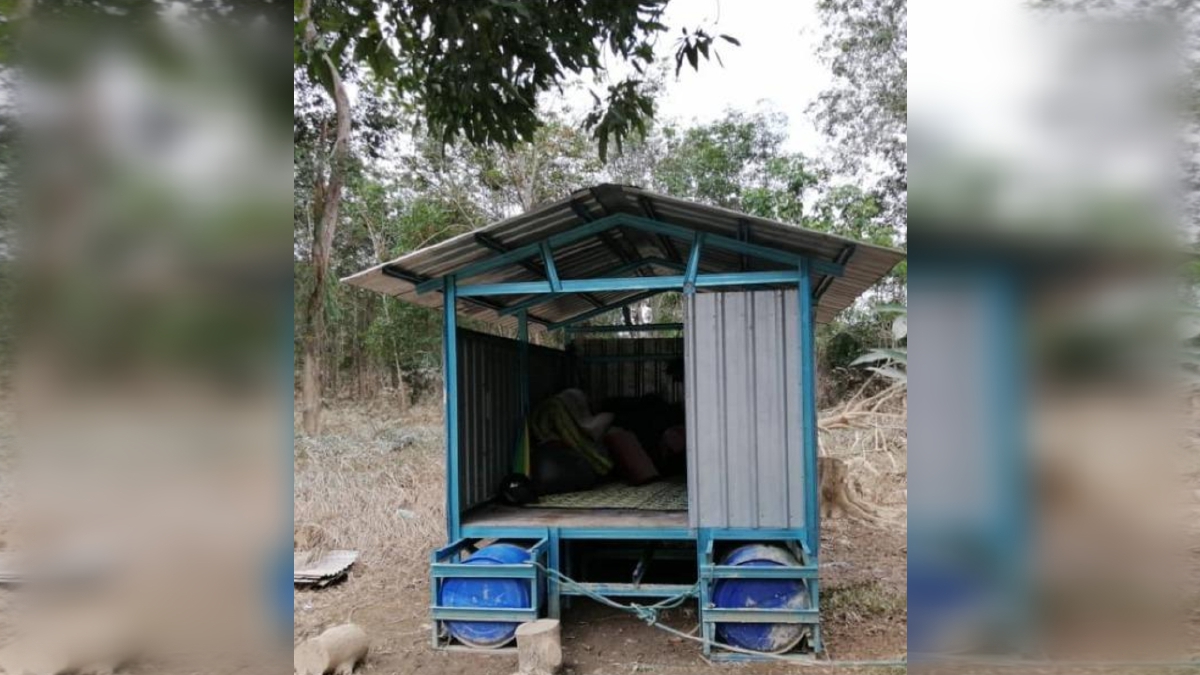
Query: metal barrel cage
[(546, 545)]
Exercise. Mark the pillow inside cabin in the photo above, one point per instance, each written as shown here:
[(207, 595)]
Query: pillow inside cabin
[(633, 465)]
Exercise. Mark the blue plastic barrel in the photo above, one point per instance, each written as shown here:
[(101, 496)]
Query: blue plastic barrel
[(483, 592), (761, 594)]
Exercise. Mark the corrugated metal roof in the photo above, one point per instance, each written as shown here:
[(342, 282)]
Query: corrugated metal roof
[(866, 264)]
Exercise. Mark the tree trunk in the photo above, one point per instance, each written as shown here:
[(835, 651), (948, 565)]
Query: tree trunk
[(327, 205)]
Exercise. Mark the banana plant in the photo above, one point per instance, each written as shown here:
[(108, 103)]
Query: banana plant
[(892, 362)]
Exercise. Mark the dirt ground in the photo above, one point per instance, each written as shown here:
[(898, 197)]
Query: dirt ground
[(385, 499), (373, 482)]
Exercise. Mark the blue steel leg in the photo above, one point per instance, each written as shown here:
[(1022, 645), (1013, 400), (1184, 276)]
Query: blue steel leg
[(703, 540), (450, 389), (569, 570), (553, 594), (808, 399), (1011, 541)]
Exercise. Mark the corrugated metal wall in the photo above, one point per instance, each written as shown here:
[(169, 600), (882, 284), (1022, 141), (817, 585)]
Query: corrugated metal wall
[(489, 400), (743, 410), (611, 367)]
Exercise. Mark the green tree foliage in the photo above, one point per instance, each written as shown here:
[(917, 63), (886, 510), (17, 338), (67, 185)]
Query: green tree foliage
[(474, 70), (890, 362), (425, 192), (737, 162), (865, 111), (1173, 22), (740, 162)]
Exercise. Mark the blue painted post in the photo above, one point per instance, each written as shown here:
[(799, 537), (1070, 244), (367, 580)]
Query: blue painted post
[(693, 265), (450, 401), (1009, 452), (703, 539), (553, 589), (808, 418)]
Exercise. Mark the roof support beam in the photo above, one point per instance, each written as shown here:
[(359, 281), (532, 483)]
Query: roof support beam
[(664, 242), (551, 270), (412, 278), (603, 310), (639, 328), (744, 237), (645, 224), (581, 211), (693, 266), (605, 237), (645, 262), (488, 241), (620, 269), (538, 299), (842, 258), (611, 242), (618, 284), (726, 243), (516, 255)]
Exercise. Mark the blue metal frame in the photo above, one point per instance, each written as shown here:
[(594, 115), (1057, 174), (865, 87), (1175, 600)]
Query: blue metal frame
[(524, 252), (693, 265), (450, 389), (808, 407), (729, 244), (806, 539), (542, 298), (633, 590), (551, 270), (711, 571), (610, 284), (445, 564), (636, 328), (645, 224), (604, 310), (1003, 290), (583, 533)]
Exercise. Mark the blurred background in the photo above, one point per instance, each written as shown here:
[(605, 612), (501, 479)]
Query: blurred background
[(1055, 469), (143, 300), (144, 163)]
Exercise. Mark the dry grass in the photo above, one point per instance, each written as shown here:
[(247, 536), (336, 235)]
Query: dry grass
[(870, 434), (371, 482), (864, 600)]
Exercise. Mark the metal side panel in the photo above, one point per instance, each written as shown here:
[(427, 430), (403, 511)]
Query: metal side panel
[(744, 430), (489, 390), (629, 366)]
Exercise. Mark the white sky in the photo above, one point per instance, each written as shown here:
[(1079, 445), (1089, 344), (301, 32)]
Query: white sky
[(1061, 102), (775, 65), (974, 60)]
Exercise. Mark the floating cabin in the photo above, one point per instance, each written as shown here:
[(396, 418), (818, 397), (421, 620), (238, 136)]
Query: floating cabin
[(737, 529)]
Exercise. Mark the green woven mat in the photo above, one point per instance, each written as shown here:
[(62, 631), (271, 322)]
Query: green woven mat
[(659, 496)]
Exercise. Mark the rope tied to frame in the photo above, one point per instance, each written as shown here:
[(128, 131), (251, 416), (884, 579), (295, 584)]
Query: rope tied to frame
[(647, 613), (650, 615)]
